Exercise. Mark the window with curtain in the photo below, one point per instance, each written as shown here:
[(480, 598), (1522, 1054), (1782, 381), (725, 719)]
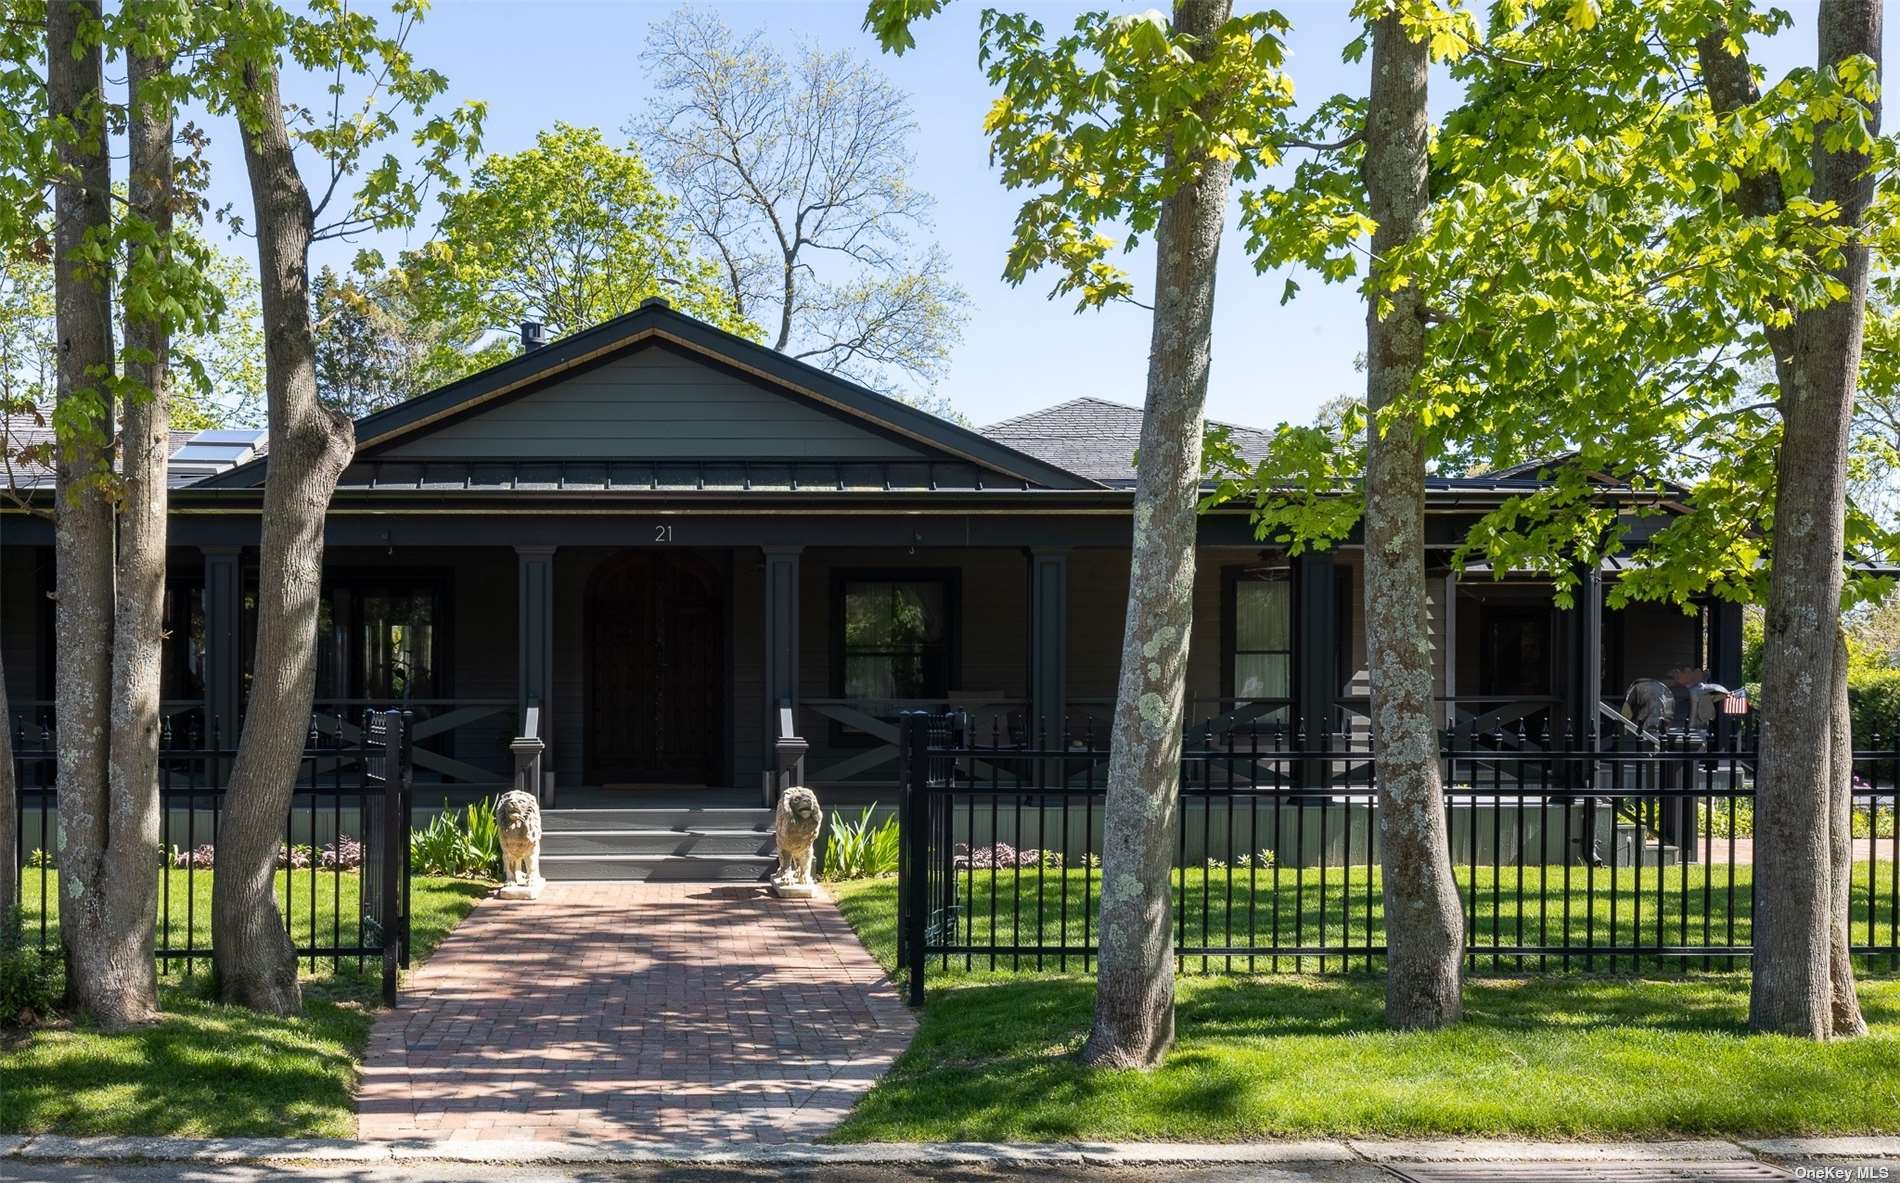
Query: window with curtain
[(1263, 637), (895, 639)]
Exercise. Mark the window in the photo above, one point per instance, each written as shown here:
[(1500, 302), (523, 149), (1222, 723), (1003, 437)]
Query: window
[(398, 638), (1515, 659), (895, 638), (376, 640), (182, 669), (1260, 656)]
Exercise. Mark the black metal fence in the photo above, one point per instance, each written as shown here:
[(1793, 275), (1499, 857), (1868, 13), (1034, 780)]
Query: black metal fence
[(1618, 861), (343, 867)]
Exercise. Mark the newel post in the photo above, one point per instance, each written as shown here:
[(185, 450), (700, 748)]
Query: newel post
[(527, 749), (788, 755)]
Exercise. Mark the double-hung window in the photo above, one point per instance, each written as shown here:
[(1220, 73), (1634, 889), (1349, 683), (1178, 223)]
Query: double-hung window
[(896, 637), (1261, 637)]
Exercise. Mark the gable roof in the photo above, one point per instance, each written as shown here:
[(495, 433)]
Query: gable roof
[(655, 321), (1097, 439)]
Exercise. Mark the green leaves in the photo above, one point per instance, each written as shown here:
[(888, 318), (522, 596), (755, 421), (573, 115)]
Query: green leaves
[(571, 232), (891, 20), (365, 61), (1106, 122)]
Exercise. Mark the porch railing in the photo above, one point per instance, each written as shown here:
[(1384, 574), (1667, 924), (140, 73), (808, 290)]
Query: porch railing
[(448, 741), (343, 866), (1626, 861), (456, 740)]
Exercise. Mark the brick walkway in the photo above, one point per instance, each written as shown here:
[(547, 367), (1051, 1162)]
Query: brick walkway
[(634, 1010)]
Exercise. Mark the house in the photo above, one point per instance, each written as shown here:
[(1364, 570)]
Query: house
[(659, 534)]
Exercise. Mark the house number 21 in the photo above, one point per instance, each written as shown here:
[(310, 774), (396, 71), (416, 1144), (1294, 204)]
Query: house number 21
[(662, 533)]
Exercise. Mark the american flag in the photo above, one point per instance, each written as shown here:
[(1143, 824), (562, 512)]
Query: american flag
[(1736, 703)]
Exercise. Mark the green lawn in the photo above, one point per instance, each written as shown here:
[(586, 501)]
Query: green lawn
[(323, 910), (1343, 910), (209, 1070), (1559, 1056)]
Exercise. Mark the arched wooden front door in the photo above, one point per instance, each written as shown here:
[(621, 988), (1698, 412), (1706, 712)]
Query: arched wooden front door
[(656, 665)]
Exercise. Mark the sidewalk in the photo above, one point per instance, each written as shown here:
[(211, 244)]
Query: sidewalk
[(1704, 1158)]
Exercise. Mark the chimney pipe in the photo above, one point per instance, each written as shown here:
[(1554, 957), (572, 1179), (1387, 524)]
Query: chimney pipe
[(533, 336)]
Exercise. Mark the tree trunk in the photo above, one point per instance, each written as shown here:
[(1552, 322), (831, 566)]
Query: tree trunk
[(309, 447), (1844, 1003), (1424, 917), (1134, 999), (789, 299), (90, 932), (131, 853), (1817, 363)]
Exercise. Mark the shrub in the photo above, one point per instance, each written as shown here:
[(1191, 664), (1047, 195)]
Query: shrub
[(484, 836), (29, 975), (859, 850), (1002, 856), (1720, 821), (346, 853), (1873, 697), (204, 856), (1871, 824), (466, 844)]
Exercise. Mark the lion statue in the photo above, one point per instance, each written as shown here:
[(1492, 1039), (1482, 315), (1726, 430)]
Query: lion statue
[(798, 823), (518, 817)]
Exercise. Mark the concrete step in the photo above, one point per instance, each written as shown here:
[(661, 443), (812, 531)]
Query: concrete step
[(658, 818), (655, 841), (657, 868)]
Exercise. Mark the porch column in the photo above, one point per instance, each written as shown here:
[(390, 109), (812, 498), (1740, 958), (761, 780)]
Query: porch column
[(224, 667), (1315, 642), (1584, 646), (534, 652), (781, 641), (1725, 643), (1048, 643), (1449, 644)]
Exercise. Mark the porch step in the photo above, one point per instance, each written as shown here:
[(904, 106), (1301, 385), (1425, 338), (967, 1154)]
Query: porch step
[(658, 868), (662, 843), (645, 841), (660, 817)]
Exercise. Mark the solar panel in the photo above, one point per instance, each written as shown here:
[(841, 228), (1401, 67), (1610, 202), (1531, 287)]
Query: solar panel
[(248, 437)]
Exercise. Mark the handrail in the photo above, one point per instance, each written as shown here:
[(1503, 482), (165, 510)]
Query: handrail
[(1629, 725)]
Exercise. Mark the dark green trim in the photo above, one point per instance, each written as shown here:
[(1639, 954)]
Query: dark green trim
[(552, 360)]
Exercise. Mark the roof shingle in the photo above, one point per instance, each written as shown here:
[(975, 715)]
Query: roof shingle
[(1095, 438)]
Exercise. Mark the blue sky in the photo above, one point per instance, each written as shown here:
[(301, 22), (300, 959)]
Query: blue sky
[(578, 61)]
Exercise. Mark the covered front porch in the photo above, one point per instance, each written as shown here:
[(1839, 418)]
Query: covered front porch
[(659, 672)]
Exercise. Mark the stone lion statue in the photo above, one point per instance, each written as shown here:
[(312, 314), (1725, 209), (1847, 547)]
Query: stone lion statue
[(518, 817), (799, 820)]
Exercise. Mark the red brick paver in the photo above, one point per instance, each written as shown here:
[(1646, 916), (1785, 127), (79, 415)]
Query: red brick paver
[(634, 1011)]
